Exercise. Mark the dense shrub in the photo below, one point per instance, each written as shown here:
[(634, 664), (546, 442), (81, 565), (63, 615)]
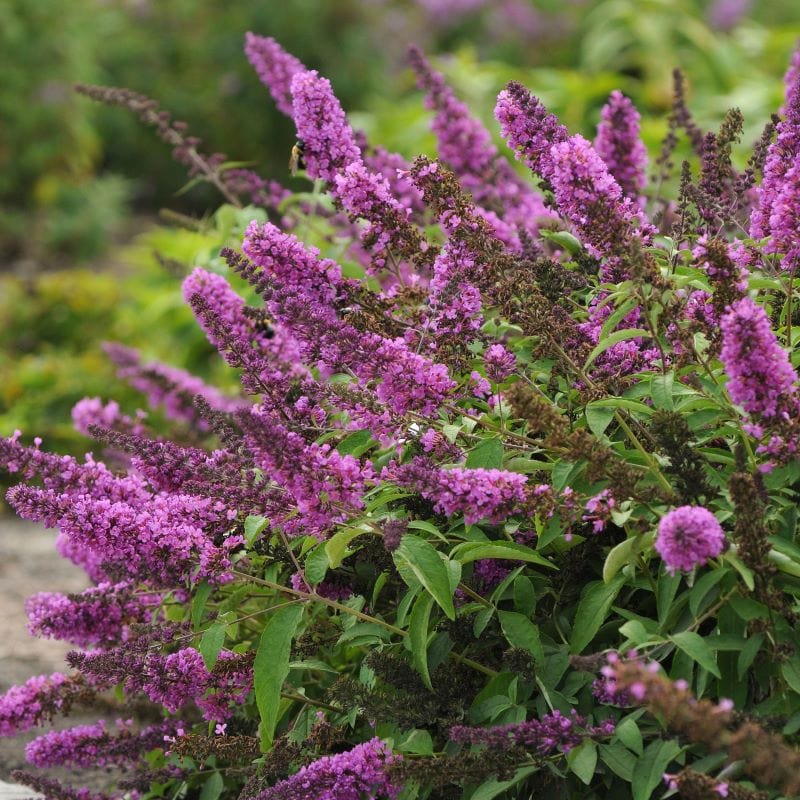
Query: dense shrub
[(506, 506)]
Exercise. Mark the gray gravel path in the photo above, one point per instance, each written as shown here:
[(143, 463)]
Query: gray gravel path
[(29, 563)]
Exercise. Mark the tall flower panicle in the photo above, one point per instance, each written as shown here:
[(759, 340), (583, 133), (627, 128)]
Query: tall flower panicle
[(296, 286), (492, 494), (552, 733), (275, 68), (781, 157), (169, 387), (589, 197), (326, 486), (357, 774), (39, 698), (163, 540), (784, 220), (687, 537), (90, 746), (618, 143), (528, 127), (174, 680), (332, 154), (53, 789), (329, 144), (95, 616), (761, 377), (464, 143)]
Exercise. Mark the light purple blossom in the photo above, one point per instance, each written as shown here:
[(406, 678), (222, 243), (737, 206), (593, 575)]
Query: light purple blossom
[(598, 510), (357, 774), (528, 127), (275, 68), (492, 494), (329, 144), (589, 197), (499, 363), (618, 143), (761, 377), (781, 157), (95, 616), (554, 732), (90, 746), (687, 537), (467, 148), (40, 697)]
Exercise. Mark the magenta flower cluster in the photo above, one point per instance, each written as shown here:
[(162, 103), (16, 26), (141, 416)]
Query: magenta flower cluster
[(761, 378), (357, 774), (553, 732), (688, 537), (492, 494)]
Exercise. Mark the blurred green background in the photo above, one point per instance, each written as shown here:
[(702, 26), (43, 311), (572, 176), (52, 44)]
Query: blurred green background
[(81, 185)]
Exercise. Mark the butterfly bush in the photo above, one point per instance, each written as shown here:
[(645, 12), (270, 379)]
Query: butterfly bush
[(503, 503)]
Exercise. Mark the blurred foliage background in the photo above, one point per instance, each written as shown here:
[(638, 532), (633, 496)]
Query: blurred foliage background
[(81, 185)]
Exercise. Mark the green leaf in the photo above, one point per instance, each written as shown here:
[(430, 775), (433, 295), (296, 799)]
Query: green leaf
[(703, 586), (582, 761), (355, 444), (619, 556), (598, 418), (494, 788), (316, 564), (427, 565), (253, 525), (611, 340), (418, 741), (617, 316), (563, 239), (629, 734), (522, 633), (561, 474), (791, 673), (213, 787), (748, 609), (649, 769), (524, 595), (667, 589), (418, 636), (748, 653), (487, 455), (199, 603), (336, 546), (272, 666), (592, 610), (697, 649), (619, 760), (211, 643), (473, 551), (661, 391)]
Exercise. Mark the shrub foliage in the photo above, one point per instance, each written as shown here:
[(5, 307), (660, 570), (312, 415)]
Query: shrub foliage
[(506, 504)]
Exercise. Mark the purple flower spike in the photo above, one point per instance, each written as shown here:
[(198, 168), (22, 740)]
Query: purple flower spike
[(467, 148), (589, 197), (528, 127), (619, 145), (499, 363), (492, 494), (358, 774), (329, 144), (687, 537), (275, 68), (761, 376), (781, 157)]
